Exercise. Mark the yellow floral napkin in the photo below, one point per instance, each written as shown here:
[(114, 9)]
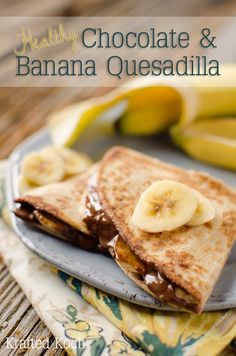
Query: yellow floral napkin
[(88, 321)]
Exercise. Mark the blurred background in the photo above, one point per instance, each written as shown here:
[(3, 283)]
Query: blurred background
[(24, 110)]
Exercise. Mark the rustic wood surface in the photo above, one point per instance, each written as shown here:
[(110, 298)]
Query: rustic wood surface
[(23, 111), (18, 319)]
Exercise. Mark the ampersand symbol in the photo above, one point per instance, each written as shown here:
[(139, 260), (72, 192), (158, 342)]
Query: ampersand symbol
[(205, 41)]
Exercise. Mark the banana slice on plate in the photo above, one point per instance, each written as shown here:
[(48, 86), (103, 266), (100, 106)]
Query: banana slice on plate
[(73, 161), (24, 186), (205, 211), (42, 168), (165, 206)]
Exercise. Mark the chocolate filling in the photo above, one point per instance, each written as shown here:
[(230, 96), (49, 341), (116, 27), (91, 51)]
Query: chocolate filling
[(55, 226), (96, 220), (158, 284), (101, 226), (106, 238)]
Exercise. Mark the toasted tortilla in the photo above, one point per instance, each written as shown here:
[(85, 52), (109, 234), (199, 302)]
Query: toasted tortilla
[(61, 200), (190, 257), (56, 209)]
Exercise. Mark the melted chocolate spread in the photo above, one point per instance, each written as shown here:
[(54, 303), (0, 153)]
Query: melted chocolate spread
[(100, 225), (103, 230), (57, 227), (96, 220)]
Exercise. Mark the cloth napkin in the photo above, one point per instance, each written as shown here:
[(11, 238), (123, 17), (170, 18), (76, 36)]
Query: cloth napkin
[(85, 320)]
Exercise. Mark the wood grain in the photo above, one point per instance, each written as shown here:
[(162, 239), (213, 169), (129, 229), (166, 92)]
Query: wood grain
[(19, 320)]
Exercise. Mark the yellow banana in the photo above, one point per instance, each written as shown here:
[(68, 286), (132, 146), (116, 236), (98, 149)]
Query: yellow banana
[(151, 106), (210, 141), (216, 96)]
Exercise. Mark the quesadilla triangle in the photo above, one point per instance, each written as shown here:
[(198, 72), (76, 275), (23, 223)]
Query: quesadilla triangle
[(54, 208), (178, 267), (94, 209)]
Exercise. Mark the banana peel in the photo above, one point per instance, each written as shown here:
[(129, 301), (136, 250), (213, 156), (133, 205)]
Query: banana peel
[(150, 110), (152, 106), (216, 95), (210, 141), (66, 126), (147, 107)]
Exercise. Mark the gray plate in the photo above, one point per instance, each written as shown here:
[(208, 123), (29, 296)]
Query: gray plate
[(97, 269)]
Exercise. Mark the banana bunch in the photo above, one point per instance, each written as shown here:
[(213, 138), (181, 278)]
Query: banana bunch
[(50, 165), (153, 106), (167, 204)]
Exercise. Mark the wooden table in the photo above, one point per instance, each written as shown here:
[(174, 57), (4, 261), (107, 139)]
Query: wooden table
[(23, 111)]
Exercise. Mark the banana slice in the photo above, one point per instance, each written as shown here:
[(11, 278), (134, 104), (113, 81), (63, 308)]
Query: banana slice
[(165, 206), (205, 211), (24, 186), (74, 162), (42, 168)]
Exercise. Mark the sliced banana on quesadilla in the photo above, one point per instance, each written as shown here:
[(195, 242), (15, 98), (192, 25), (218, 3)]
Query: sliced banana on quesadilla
[(168, 204), (205, 210), (164, 206)]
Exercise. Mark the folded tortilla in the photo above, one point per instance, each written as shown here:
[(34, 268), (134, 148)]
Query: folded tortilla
[(179, 267), (94, 211), (55, 208)]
